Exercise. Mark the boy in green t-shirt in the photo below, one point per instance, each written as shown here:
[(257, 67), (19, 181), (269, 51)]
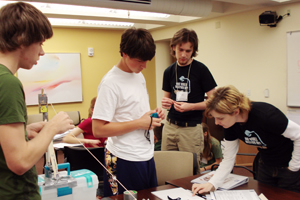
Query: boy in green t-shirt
[(23, 31)]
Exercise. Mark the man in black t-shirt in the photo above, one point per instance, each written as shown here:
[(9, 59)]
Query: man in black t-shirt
[(185, 84)]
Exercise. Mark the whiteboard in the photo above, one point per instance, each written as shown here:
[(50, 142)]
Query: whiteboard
[(293, 68)]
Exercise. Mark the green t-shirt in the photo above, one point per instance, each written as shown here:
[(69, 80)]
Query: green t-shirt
[(12, 110), (216, 152)]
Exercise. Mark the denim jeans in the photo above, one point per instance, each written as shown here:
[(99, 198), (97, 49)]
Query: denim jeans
[(279, 177)]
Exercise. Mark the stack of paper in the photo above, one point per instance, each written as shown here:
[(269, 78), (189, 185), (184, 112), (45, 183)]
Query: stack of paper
[(231, 181)]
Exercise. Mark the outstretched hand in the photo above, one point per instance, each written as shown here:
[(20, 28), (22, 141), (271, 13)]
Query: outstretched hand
[(92, 142), (202, 188)]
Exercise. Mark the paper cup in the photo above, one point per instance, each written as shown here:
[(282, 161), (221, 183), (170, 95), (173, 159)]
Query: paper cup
[(128, 195)]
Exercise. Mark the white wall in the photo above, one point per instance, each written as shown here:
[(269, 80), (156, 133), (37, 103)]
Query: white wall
[(162, 60), (241, 52)]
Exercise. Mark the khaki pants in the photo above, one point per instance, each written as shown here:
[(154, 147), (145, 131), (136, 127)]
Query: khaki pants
[(177, 138)]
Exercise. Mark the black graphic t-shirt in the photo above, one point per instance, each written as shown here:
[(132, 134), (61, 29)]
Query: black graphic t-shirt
[(264, 129), (196, 82)]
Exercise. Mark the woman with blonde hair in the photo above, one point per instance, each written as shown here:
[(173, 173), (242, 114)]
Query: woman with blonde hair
[(259, 124), (212, 152)]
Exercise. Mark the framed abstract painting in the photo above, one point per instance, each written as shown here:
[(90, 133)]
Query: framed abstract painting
[(59, 74)]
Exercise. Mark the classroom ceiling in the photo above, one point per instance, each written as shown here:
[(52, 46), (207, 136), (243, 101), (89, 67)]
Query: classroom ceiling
[(179, 11)]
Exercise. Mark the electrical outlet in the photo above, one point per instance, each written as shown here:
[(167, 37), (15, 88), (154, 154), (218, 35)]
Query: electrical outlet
[(91, 51), (266, 93)]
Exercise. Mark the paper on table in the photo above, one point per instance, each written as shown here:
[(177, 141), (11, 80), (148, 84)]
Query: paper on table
[(262, 197), (175, 193), (234, 195)]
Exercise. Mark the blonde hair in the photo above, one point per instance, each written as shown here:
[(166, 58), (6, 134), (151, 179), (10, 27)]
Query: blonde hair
[(92, 105), (226, 100)]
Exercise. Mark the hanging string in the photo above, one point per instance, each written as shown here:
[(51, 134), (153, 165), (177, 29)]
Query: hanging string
[(147, 132), (53, 109), (100, 162)]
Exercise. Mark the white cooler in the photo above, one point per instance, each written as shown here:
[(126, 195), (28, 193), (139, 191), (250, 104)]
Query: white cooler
[(84, 186)]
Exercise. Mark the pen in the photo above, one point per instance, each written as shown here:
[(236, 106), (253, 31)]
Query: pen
[(201, 195)]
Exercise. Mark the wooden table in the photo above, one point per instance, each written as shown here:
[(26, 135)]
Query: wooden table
[(146, 194), (271, 192)]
